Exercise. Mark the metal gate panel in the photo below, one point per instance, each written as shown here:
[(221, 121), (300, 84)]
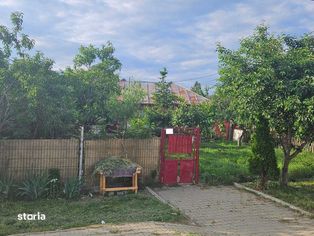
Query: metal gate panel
[(186, 171), (170, 172), (180, 144)]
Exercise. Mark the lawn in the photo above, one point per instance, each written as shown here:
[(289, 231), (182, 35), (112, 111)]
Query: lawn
[(61, 214), (300, 193), (224, 162)]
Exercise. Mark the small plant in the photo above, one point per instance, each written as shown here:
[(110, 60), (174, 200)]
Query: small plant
[(72, 188), (34, 187), (54, 182), (6, 186)]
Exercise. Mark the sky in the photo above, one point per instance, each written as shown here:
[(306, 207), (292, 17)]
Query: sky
[(148, 35)]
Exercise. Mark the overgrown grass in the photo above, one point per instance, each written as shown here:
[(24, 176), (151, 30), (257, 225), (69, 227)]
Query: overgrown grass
[(224, 162), (61, 214), (299, 193)]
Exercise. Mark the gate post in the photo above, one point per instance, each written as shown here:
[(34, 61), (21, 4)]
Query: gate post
[(197, 146), (162, 155)]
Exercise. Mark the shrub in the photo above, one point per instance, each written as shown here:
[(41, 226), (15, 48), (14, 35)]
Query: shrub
[(72, 188), (263, 162), (34, 187), (6, 186), (139, 127)]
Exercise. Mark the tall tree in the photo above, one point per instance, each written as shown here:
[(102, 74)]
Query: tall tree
[(13, 44), (160, 114), (95, 80), (273, 76)]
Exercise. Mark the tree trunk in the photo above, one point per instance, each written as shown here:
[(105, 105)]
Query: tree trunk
[(263, 181), (284, 171)]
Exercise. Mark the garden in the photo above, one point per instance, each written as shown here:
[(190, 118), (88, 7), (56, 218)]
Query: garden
[(223, 162)]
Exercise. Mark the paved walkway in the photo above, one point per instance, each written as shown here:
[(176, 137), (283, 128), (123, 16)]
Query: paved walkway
[(229, 211)]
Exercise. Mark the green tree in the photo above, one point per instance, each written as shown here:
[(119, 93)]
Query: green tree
[(47, 110), (94, 81), (126, 106), (273, 76), (160, 114), (197, 88), (13, 44), (195, 115), (263, 162)]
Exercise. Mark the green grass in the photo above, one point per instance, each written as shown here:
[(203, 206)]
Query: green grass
[(61, 214), (223, 162), (299, 193)]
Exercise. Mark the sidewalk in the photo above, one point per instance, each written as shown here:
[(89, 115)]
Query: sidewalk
[(226, 210)]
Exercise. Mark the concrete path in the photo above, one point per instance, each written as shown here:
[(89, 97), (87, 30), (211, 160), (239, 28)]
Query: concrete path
[(229, 211)]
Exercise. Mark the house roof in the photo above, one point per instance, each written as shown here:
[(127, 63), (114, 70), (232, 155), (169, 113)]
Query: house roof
[(189, 96)]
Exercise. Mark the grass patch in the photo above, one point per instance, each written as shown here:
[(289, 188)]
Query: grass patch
[(299, 193), (62, 214), (223, 162)]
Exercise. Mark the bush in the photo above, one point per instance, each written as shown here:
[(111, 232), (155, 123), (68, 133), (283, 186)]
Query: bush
[(6, 187), (34, 187), (72, 188), (139, 127), (263, 161)]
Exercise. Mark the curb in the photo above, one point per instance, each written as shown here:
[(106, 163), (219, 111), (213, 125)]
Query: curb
[(281, 202)]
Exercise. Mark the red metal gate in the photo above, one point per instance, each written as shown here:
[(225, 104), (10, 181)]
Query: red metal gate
[(179, 155)]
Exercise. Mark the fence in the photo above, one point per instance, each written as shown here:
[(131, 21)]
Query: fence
[(144, 152), (22, 157)]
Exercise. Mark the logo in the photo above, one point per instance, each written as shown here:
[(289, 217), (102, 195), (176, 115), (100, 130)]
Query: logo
[(27, 216)]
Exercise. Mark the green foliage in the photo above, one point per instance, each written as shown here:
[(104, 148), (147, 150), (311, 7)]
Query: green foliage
[(17, 43), (197, 88), (108, 165), (139, 127), (126, 106), (14, 41), (272, 76), (34, 187), (195, 115), (6, 187), (54, 183), (72, 188), (263, 161), (94, 81), (160, 114), (299, 193)]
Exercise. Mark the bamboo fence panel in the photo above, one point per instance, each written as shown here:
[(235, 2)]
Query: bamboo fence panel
[(144, 152), (20, 158)]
